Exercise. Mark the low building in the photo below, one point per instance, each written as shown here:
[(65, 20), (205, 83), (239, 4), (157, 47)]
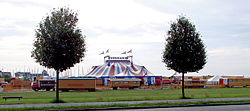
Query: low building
[(23, 74), (5, 73), (28, 74)]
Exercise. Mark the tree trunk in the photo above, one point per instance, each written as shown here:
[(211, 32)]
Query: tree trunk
[(183, 94), (57, 86)]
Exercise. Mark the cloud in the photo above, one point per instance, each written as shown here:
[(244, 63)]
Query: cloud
[(242, 35), (132, 24), (114, 25), (227, 60), (238, 52)]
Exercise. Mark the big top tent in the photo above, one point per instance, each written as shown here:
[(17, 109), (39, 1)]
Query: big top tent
[(118, 67)]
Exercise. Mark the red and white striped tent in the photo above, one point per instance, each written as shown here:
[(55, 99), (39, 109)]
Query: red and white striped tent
[(119, 67)]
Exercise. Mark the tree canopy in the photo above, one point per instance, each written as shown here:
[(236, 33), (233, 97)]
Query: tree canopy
[(59, 44), (6, 77), (184, 51)]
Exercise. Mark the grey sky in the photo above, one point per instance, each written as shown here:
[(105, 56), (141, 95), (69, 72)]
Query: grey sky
[(140, 25)]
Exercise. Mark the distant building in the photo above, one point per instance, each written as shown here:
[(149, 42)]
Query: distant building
[(28, 74), (23, 74), (5, 73), (45, 73), (38, 75)]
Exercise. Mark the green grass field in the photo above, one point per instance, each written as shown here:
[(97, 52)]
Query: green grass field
[(122, 95)]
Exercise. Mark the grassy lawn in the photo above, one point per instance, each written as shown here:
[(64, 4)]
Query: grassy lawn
[(122, 95)]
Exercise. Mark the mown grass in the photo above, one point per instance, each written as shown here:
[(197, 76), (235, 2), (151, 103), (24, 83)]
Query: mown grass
[(122, 95), (94, 107)]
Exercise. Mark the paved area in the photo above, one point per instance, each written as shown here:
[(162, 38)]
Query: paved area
[(121, 102), (200, 108)]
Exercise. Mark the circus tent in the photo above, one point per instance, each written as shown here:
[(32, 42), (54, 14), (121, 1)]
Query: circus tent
[(214, 80), (119, 67)]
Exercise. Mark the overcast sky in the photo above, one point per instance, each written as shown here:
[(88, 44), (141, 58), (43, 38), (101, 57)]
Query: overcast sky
[(140, 25)]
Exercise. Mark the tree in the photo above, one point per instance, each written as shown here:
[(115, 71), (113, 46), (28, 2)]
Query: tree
[(6, 77), (59, 44), (184, 51)]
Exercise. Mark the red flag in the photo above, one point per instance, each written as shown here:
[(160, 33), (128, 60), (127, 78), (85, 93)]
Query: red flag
[(130, 51), (124, 52), (107, 51), (174, 74), (101, 53)]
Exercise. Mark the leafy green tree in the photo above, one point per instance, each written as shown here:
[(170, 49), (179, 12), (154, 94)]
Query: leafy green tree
[(59, 44), (6, 77), (184, 51)]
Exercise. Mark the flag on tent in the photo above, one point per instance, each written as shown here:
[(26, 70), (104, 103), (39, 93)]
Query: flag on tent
[(107, 51), (174, 74), (101, 53), (124, 52), (130, 51)]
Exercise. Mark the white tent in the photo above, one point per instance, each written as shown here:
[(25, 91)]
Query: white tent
[(214, 80)]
